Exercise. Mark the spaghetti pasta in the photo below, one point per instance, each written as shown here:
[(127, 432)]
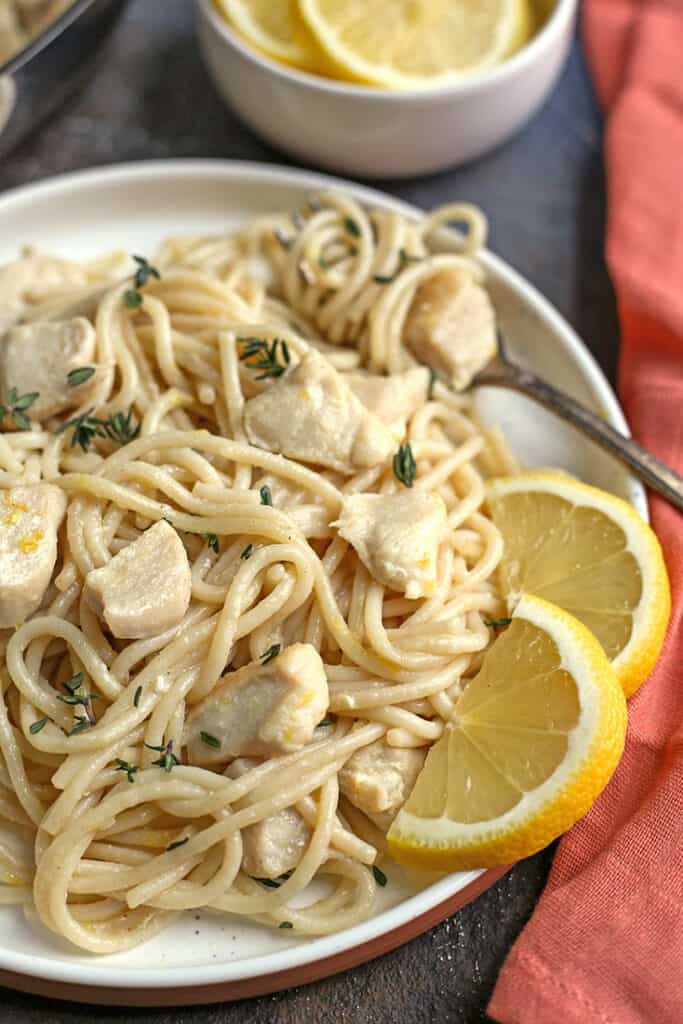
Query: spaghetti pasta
[(107, 827)]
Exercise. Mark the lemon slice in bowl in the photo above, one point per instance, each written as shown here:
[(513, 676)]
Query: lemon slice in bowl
[(412, 44), (590, 553), (275, 28), (534, 740)]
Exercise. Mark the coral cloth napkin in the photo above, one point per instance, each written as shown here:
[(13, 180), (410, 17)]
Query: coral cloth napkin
[(605, 944)]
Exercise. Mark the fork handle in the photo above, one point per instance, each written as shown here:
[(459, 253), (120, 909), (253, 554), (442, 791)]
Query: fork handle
[(656, 474)]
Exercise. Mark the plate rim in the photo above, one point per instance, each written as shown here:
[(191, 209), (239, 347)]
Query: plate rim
[(429, 902)]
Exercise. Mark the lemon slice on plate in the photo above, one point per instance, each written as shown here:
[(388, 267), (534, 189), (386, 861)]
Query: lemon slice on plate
[(411, 44), (591, 554), (275, 28), (535, 738)]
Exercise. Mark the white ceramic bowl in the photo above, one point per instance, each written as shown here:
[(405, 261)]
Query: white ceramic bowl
[(374, 132)]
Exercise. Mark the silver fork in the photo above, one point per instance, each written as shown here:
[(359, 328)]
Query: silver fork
[(501, 372)]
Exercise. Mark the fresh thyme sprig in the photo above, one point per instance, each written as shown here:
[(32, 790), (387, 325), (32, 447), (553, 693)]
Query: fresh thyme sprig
[(404, 466), (86, 427), (125, 766), (270, 654), (79, 376), (17, 406), (75, 699), (82, 722), (168, 760), (132, 298), (119, 427), (257, 354)]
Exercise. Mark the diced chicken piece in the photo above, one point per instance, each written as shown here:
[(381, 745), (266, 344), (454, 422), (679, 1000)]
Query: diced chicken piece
[(39, 356), (35, 277), (312, 415), (275, 845), (29, 520), (451, 326), (392, 399), (261, 710), (145, 589), (396, 537), (377, 779)]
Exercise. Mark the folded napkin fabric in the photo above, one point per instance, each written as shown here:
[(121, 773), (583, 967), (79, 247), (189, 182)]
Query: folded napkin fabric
[(605, 943)]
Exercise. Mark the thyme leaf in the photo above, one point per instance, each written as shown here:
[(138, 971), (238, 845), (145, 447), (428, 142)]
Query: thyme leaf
[(79, 375), (125, 766), (212, 542), (497, 623), (136, 698), (16, 409), (247, 553), (379, 876), (132, 298), (144, 272), (266, 496), (275, 883), (404, 466), (270, 654), (352, 227), (285, 924), (36, 726), (211, 741), (168, 760), (177, 843)]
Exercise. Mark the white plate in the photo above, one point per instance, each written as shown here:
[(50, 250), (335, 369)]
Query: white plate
[(134, 207)]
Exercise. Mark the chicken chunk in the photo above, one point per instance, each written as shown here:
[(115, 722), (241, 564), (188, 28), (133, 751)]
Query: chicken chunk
[(145, 588), (378, 779), (262, 709), (451, 326), (275, 845), (35, 277), (29, 519), (312, 415), (39, 356), (396, 537), (392, 399)]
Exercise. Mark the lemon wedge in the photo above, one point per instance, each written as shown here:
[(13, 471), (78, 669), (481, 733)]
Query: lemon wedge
[(591, 554), (535, 738), (275, 28), (412, 44)]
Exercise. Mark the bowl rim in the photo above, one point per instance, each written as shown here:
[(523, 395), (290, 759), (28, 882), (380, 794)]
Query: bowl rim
[(562, 14), (43, 40)]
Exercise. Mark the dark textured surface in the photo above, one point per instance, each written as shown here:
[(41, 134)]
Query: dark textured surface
[(544, 195)]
